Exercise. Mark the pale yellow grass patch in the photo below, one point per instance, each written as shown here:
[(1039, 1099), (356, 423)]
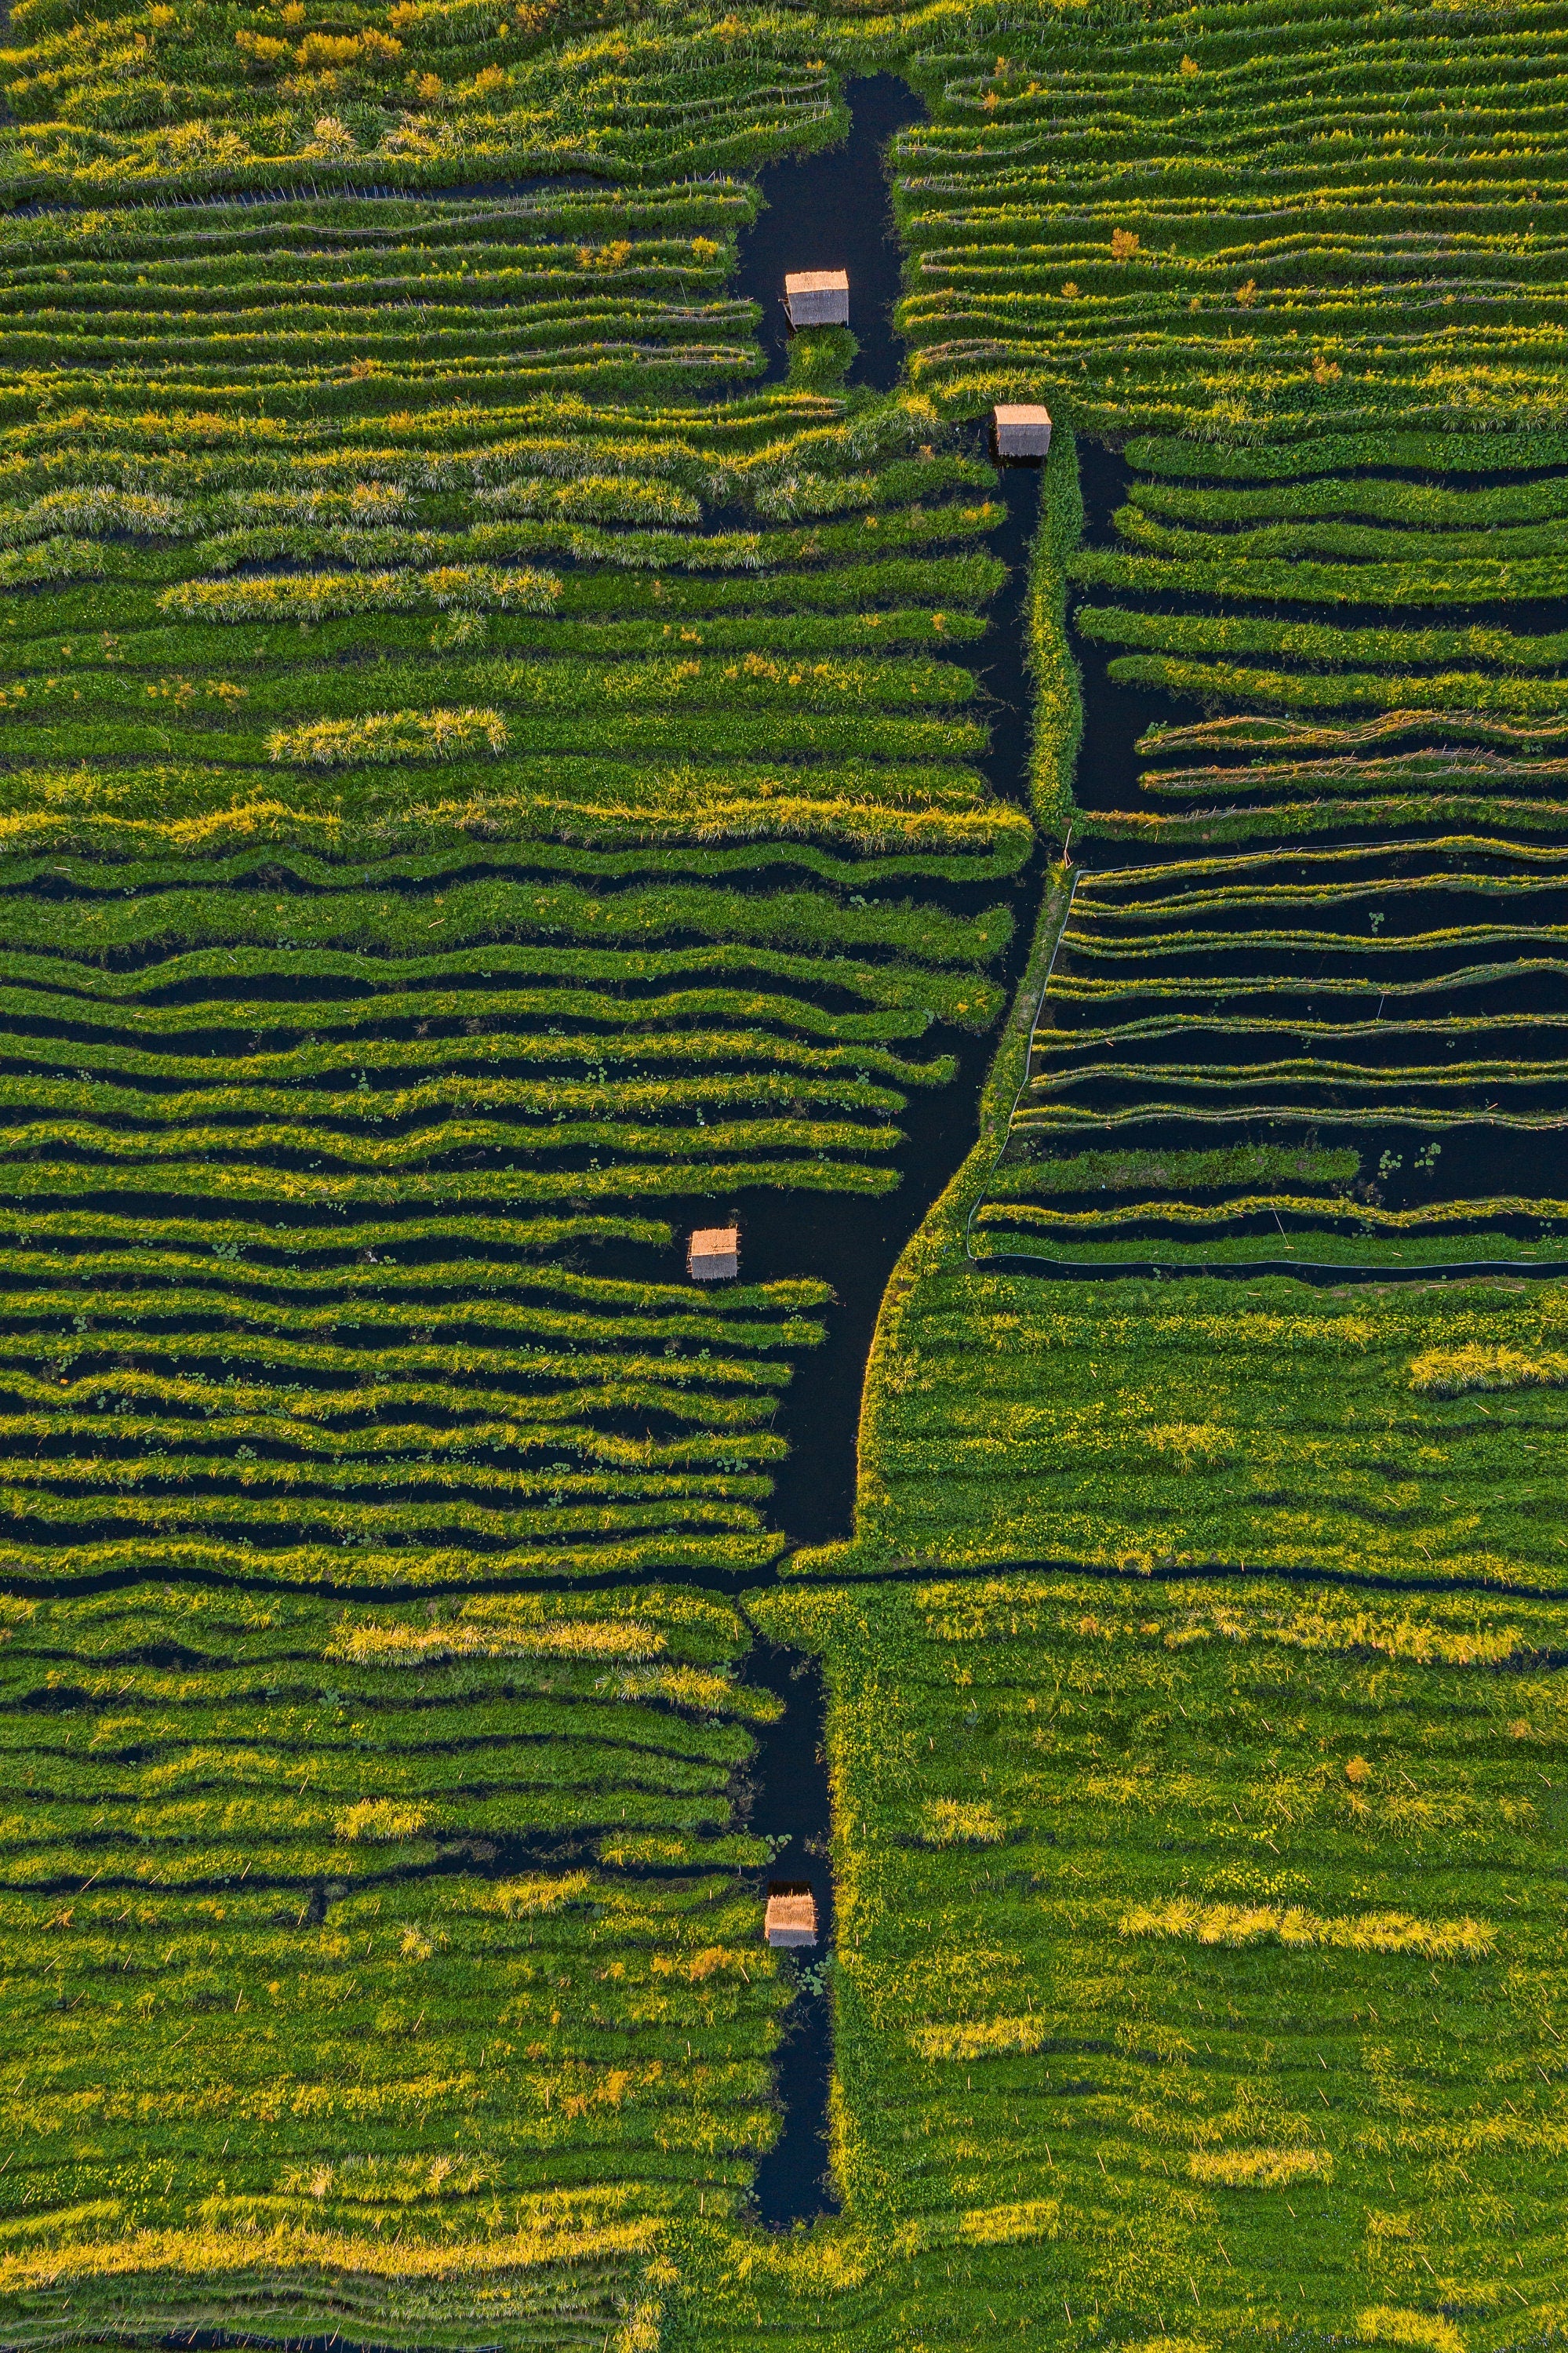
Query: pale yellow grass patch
[(1448, 1372), (979, 2039), (1258, 1923), (948, 1821), (1259, 2168), (500, 1629), (1386, 2324), (381, 1818), (1001, 2226)]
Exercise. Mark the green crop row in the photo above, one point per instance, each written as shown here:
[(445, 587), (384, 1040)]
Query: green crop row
[(1298, 462), (1176, 1216), (1370, 497), (1457, 581), (1441, 772), (1331, 536), (692, 681), (1325, 642), (1138, 1169)]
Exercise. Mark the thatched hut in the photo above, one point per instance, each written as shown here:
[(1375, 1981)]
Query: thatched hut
[(1020, 431), (817, 298), (791, 1913), (712, 1254)]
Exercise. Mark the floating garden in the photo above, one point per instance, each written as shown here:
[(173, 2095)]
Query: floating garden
[(1318, 1018), (1197, 1947), (491, 783), (283, 1882)]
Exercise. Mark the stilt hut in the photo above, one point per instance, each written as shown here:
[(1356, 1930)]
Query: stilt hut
[(791, 1913), (817, 298), (712, 1254), (1020, 432)]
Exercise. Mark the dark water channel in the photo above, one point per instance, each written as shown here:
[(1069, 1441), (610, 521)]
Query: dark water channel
[(791, 1809), (830, 211), (834, 211)]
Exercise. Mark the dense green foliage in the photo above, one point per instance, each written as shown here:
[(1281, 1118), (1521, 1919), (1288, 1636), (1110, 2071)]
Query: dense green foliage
[(1203, 1424), (324, 1932), (1200, 1968), (488, 787)]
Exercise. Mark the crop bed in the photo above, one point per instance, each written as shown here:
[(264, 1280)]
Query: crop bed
[(1322, 1016), (1408, 1430), (404, 1927), (1182, 1928)]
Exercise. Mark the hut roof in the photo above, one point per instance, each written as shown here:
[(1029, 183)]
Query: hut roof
[(816, 281), (713, 1252)]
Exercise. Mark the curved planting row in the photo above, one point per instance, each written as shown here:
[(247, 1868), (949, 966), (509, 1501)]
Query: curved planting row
[(445, 850)]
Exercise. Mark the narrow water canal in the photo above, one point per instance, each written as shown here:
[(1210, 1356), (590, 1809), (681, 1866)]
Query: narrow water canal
[(792, 1809), (834, 210)]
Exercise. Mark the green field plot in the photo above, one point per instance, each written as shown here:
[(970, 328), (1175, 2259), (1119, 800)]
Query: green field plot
[(1309, 980), (483, 790), (1408, 1430), (1218, 224), (330, 1933), (1199, 1963)]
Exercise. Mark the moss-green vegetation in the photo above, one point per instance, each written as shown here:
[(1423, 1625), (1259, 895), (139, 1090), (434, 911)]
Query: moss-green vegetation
[(1181, 1925), (323, 1936), (1136, 1425), (487, 785)]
